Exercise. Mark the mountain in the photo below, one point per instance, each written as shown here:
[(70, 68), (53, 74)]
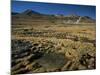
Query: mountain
[(73, 15), (30, 16), (14, 13), (78, 19), (30, 12)]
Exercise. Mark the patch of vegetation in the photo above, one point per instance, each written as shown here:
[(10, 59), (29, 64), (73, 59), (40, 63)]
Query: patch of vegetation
[(49, 48)]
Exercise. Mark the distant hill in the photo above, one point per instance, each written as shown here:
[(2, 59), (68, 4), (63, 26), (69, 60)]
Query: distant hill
[(14, 13), (30, 16), (30, 12)]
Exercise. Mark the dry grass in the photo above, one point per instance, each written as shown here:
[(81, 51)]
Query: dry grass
[(41, 47)]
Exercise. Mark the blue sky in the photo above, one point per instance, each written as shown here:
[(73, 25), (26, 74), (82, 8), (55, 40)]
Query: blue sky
[(53, 8)]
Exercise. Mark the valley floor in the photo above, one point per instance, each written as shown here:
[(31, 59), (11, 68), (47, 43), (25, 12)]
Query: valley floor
[(50, 48)]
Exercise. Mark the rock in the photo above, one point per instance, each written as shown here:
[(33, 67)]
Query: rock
[(30, 66), (20, 71), (88, 61), (25, 62), (81, 67), (66, 66), (72, 54), (35, 44)]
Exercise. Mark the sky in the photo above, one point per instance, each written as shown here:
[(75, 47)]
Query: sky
[(54, 8)]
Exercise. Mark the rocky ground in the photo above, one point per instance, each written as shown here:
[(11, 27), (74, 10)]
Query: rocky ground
[(44, 50)]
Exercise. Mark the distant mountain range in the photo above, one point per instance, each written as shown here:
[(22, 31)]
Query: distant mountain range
[(33, 16), (27, 12)]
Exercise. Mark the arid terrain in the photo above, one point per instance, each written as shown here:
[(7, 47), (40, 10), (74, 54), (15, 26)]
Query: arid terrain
[(48, 43)]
